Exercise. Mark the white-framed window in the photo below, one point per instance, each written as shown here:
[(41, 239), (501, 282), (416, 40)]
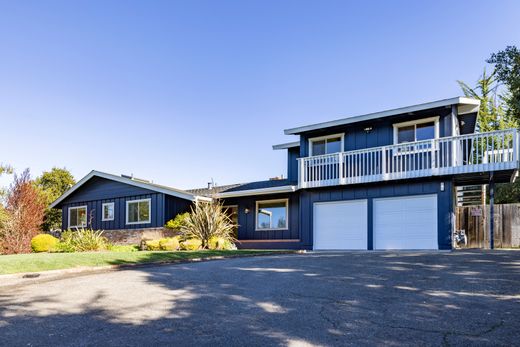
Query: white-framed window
[(326, 144), (272, 214), (138, 211), (417, 130), (108, 211), (77, 216)]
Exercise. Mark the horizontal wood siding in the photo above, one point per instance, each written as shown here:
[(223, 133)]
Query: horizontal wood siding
[(373, 191), (246, 228)]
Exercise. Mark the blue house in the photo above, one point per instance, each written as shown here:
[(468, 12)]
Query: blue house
[(126, 208), (384, 180)]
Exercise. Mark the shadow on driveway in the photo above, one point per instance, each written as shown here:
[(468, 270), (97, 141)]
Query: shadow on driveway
[(365, 298)]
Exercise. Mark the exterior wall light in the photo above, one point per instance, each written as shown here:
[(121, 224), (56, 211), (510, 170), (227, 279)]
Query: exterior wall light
[(246, 210), (368, 129)]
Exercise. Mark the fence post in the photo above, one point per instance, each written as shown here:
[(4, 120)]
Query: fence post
[(491, 211)]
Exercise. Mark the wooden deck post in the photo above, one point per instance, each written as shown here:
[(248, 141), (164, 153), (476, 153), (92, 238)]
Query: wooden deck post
[(491, 211)]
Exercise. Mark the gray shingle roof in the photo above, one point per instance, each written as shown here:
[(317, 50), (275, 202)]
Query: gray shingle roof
[(242, 186)]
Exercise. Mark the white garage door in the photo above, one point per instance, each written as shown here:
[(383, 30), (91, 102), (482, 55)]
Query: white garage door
[(340, 225), (408, 222)]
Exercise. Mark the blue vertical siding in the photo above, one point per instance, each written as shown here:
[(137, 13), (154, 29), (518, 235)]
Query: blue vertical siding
[(246, 221), (99, 190), (293, 154), (382, 133), (301, 205), (383, 190)]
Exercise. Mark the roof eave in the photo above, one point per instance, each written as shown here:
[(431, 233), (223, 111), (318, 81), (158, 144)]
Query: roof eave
[(473, 103), (159, 189), (260, 191), (287, 145)]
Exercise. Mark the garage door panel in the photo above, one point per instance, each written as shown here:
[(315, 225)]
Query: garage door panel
[(340, 225), (405, 222)]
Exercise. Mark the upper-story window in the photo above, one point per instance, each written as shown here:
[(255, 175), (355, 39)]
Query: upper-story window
[(77, 217), (326, 144), (418, 130), (138, 211)]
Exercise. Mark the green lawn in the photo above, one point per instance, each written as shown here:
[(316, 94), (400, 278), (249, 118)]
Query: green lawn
[(36, 262)]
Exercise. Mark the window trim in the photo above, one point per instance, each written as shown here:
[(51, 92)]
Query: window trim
[(286, 214), (77, 208), (435, 121), (103, 211), (137, 201), (320, 138)]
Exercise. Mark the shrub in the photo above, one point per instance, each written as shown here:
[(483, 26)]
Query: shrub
[(178, 221), (191, 244), (153, 245), (63, 247), (219, 243), (43, 243), (208, 220), (84, 240), (169, 244), (123, 248)]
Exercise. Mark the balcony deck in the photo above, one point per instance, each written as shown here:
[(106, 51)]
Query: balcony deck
[(456, 155)]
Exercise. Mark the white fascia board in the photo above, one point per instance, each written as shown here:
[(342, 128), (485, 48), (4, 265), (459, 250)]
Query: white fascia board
[(461, 101), (153, 187), (261, 191), (287, 145)]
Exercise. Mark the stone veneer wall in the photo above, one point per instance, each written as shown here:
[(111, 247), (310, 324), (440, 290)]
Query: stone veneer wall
[(134, 236)]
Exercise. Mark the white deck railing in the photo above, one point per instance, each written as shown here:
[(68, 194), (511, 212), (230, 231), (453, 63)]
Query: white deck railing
[(492, 151)]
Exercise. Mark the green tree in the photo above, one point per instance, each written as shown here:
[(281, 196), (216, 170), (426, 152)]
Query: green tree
[(492, 113), (5, 169), (507, 69), (52, 184)]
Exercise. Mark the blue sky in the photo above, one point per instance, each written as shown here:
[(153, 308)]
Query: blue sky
[(184, 91)]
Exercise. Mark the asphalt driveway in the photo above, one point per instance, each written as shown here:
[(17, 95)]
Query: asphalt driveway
[(387, 298)]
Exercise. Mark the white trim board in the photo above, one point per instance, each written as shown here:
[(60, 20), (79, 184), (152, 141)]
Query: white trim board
[(272, 190), (465, 105), (287, 145), (153, 187)]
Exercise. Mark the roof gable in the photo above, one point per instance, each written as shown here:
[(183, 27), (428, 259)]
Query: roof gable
[(99, 185)]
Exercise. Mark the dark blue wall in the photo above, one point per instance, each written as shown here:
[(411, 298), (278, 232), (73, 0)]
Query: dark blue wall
[(382, 190), (293, 154), (98, 190), (301, 210), (382, 133), (246, 221)]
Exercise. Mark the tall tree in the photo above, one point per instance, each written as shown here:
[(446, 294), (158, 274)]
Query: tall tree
[(507, 69), (24, 216), (492, 113), (52, 184)]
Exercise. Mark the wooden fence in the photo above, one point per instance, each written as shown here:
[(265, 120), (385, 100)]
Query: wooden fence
[(475, 221)]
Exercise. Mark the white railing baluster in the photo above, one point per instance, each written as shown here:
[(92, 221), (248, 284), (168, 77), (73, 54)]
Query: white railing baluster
[(497, 150)]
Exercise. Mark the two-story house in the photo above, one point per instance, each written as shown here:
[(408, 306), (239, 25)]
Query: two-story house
[(383, 180)]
